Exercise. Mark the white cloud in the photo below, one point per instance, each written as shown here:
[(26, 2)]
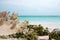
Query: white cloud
[(36, 5)]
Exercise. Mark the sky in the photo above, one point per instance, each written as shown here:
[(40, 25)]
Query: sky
[(31, 7)]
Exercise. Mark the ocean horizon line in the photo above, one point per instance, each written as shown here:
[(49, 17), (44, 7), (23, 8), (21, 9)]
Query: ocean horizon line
[(38, 16)]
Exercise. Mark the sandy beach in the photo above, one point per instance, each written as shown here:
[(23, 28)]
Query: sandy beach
[(5, 30), (50, 25)]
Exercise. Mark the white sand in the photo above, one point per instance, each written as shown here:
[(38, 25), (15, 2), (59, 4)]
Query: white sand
[(9, 39), (5, 30), (50, 25)]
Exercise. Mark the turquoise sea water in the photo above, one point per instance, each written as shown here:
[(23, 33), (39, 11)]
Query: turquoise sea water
[(40, 18)]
